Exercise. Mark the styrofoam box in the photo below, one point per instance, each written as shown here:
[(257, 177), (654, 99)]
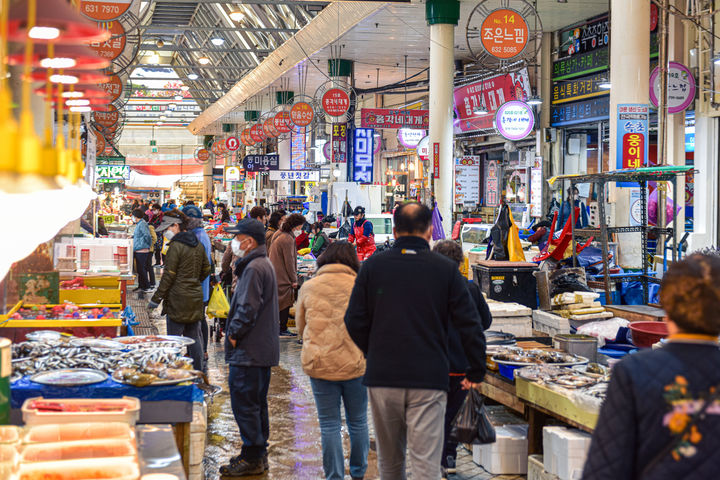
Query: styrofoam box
[(508, 455), (550, 323), (565, 451), (536, 469), (518, 326), (130, 412)]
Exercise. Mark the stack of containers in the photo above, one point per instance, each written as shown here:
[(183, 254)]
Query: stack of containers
[(508, 455), (565, 451), (511, 318)]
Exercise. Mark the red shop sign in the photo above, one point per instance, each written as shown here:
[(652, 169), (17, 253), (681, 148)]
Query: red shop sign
[(504, 33), (302, 114), (113, 87), (281, 122), (386, 118), (107, 118), (203, 155), (113, 47), (232, 143), (100, 143), (336, 102), (256, 133), (269, 128), (633, 150), (104, 10), (246, 139)]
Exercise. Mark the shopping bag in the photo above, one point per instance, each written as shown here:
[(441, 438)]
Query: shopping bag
[(218, 306), (471, 424)]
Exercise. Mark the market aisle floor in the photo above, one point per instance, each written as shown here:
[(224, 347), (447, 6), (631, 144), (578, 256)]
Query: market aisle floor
[(295, 450)]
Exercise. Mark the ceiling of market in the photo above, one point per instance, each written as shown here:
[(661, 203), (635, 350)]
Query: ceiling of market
[(177, 34)]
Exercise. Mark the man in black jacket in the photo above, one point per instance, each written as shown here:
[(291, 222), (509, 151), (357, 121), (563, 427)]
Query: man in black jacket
[(398, 316), (251, 346)]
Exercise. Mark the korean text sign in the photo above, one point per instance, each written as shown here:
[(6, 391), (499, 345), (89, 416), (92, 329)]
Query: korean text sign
[(339, 143), (295, 175), (114, 172), (261, 163), (632, 135), (504, 33), (386, 118), (467, 180), (298, 155), (363, 155)]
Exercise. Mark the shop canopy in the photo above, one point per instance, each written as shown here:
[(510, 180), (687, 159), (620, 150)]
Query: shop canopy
[(657, 174)]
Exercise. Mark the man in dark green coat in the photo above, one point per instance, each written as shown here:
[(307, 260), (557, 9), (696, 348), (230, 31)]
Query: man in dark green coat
[(180, 290)]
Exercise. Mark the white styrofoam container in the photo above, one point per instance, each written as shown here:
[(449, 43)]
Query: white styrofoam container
[(518, 326), (536, 469), (78, 449), (550, 323), (120, 468), (129, 414), (549, 448), (565, 451), (68, 432), (508, 455)]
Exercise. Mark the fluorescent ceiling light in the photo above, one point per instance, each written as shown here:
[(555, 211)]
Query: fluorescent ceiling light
[(178, 98), (163, 117), (184, 88), (80, 109), (44, 33), (236, 16), (203, 60), (73, 94), (154, 58), (64, 79), (534, 100), (217, 41), (79, 102), (58, 63), (604, 84), (481, 110), (192, 76)]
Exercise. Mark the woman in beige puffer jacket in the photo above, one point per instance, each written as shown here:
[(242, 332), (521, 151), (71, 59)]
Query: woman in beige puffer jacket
[(332, 360)]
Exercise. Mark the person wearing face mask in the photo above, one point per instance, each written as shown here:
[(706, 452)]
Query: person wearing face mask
[(180, 289), (283, 255), (142, 242), (251, 346), (565, 210)]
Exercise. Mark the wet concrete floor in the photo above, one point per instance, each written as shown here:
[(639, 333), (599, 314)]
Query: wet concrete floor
[(295, 450)]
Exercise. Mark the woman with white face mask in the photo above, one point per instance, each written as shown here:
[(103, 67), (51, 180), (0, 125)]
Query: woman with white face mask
[(283, 255)]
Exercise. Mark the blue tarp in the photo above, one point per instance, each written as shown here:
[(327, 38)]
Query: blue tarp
[(24, 389)]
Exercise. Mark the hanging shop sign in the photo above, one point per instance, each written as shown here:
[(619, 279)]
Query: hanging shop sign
[(386, 118), (339, 143), (504, 33), (100, 142), (302, 114), (592, 110), (108, 118), (114, 87), (536, 184), (436, 160), (218, 147), (232, 174), (335, 102), (257, 134), (327, 151), (680, 87), (112, 173), (202, 155), (585, 38), (295, 175), (580, 65), (467, 180), (232, 144), (113, 47), (579, 88), (269, 128), (515, 120), (409, 137), (492, 183), (298, 153), (363, 155), (261, 163), (282, 122), (632, 135), (104, 10), (423, 149), (490, 93), (246, 138)]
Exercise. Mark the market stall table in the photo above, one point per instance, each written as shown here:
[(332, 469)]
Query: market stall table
[(158, 405), (637, 313)]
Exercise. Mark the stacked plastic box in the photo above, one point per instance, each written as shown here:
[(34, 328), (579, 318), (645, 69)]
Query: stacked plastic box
[(511, 318), (565, 451), (508, 455)]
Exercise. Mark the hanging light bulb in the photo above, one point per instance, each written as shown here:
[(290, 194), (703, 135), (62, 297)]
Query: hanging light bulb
[(236, 15), (411, 166), (184, 88), (81, 102), (203, 60), (57, 21), (64, 79), (217, 41), (44, 33), (154, 58), (402, 165), (73, 94), (58, 63), (80, 109), (192, 76)]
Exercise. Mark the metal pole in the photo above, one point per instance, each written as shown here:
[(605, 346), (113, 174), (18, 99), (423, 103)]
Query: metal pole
[(662, 118)]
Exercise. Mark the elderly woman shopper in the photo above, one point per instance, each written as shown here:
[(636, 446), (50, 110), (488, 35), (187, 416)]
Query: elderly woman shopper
[(180, 289), (283, 255), (332, 360), (661, 417)]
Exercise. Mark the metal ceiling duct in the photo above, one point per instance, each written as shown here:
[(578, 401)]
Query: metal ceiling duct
[(328, 26)]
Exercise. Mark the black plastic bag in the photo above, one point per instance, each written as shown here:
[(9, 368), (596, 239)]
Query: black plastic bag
[(471, 424)]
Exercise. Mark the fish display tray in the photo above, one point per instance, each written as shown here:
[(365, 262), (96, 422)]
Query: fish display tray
[(129, 411)]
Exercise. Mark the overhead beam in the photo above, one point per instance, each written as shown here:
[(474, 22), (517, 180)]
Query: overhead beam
[(158, 29), (260, 2), (194, 67), (172, 48)]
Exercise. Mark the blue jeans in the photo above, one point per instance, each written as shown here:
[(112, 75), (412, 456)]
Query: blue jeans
[(248, 399), (327, 399)]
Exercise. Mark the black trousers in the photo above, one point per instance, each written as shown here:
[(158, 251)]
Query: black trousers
[(284, 316), (150, 269), (141, 264), (248, 398), (455, 399)]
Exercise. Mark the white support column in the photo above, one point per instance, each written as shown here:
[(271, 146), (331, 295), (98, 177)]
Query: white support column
[(442, 67)]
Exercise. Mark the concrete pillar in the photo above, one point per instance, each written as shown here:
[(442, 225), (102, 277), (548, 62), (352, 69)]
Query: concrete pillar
[(630, 78), (676, 122), (442, 16)]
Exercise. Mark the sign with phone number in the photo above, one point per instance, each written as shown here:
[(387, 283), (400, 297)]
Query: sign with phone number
[(104, 10)]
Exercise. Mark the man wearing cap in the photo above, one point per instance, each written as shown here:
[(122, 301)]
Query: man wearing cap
[(362, 235), (251, 346), (180, 290)]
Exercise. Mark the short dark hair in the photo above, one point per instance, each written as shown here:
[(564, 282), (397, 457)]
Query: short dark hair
[(339, 252), (317, 226), (274, 220), (138, 213), (450, 249), (175, 213), (294, 220), (412, 218), (690, 294), (156, 206), (257, 212), (189, 203)]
